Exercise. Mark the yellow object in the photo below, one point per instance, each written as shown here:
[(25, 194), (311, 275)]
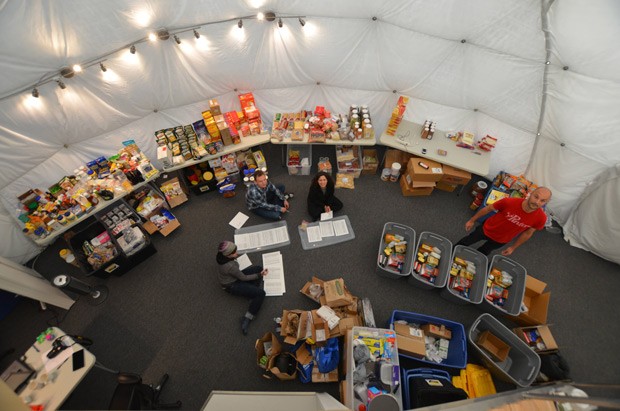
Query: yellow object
[(207, 176), (387, 251), (476, 381)]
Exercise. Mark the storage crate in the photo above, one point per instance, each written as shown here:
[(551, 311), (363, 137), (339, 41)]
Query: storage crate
[(92, 229), (369, 167), (478, 288), (522, 364), (457, 350), (390, 356), (409, 234), (352, 163), (512, 305), (445, 246), (302, 153), (424, 387)]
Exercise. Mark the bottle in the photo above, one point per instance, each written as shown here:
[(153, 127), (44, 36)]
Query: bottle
[(425, 132)]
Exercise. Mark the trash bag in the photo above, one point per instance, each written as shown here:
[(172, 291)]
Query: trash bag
[(328, 356)]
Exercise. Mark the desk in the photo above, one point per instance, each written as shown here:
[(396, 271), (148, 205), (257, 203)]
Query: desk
[(407, 138), (52, 394), (246, 142)]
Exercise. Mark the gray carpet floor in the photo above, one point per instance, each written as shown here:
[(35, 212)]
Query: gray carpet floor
[(169, 314)]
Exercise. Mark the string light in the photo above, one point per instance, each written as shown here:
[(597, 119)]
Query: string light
[(161, 34)]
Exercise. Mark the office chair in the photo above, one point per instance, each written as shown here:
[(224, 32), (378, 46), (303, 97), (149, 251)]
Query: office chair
[(132, 394)]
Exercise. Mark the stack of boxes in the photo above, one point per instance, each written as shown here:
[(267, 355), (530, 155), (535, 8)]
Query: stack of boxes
[(251, 113), (397, 115), (421, 177), (452, 178)]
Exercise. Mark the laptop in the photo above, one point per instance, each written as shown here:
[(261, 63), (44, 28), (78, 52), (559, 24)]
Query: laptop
[(17, 375)]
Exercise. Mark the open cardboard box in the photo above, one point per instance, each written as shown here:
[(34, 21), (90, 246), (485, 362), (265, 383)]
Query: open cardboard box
[(336, 294), (545, 336), (269, 340), (410, 340), (493, 345), (537, 302), (301, 327), (320, 328), (306, 289), (181, 197), (317, 376), (271, 366)]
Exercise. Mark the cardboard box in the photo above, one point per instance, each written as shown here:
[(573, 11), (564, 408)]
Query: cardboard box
[(537, 302), (317, 376), (177, 194), (276, 371), (151, 228), (433, 174), (320, 328), (443, 186), (493, 345), (348, 323), (301, 326), (411, 188), (336, 294), (393, 156), (268, 342), (410, 340), (437, 331), (306, 289), (545, 338), (369, 167), (452, 175)]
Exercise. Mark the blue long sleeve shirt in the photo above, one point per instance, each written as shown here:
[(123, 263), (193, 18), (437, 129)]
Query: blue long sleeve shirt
[(257, 197)]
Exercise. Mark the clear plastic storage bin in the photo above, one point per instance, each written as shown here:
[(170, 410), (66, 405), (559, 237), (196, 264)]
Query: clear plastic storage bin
[(479, 283), (409, 234), (353, 163), (305, 159), (512, 305), (521, 365), (445, 245)]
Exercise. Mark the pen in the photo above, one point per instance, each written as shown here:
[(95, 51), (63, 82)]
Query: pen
[(35, 348), (57, 368)]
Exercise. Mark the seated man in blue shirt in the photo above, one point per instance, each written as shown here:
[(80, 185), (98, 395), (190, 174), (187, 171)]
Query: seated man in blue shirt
[(265, 199)]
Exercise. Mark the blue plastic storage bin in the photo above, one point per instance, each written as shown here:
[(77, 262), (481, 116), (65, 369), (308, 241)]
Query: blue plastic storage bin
[(419, 372), (457, 349)]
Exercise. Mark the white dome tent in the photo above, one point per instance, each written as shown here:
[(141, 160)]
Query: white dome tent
[(541, 76)]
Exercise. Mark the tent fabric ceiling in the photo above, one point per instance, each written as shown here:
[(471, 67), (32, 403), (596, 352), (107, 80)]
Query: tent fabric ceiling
[(477, 65)]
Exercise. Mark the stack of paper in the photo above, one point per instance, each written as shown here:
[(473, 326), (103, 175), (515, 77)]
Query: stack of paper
[(274, 280)]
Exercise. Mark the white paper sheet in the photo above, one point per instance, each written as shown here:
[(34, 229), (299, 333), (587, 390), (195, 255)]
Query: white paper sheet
[(327, 216), (239, 220), (274, 280), (244, 261), (340, 227), (314, 234), (261, 238), (327, 229), (53, 363)]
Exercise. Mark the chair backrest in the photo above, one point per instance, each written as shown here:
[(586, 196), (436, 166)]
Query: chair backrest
[(131, 393)]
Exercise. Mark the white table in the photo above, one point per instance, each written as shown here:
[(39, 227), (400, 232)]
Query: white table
[(407, 138), (54, 385), (100, 206)]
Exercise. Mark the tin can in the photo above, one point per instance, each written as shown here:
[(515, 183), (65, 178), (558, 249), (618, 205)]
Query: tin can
[(385, 174)]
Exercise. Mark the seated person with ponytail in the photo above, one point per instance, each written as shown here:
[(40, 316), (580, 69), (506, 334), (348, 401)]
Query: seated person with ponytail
[(321, 198)]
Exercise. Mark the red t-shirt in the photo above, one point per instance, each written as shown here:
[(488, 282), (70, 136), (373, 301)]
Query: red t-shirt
[(510, 220)]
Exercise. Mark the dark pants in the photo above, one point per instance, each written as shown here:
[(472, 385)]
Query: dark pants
[(250, 289), (316, 211), (478, 235), (272, 199)]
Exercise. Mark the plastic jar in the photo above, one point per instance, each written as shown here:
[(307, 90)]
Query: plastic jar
[(395, 172), (385, 174)]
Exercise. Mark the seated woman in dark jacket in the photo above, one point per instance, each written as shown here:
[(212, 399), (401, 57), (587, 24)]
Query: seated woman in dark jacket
[(321, 198)]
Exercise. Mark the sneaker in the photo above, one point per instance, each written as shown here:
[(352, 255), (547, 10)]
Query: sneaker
[(244, 325), (288, 196)]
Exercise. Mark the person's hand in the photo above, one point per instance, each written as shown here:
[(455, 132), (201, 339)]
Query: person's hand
[(283, 209), (327, 209), (286, 204), (507, 251), (264, 272), (469, 225)]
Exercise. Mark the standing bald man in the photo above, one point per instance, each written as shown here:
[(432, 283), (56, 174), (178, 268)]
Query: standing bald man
[(515, 217)]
